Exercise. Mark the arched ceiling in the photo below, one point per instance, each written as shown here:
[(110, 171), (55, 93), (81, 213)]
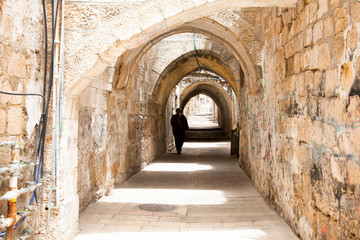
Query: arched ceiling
[(186, 65), (225, 43), (94, 43), (169, 49)]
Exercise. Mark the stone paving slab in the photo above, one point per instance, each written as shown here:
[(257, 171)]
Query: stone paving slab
[(213, 199)]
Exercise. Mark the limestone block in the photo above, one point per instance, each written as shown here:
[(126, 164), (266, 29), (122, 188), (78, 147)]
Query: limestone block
[(70, 76), (84, 58), (353, 172), (324, 56), (340, 19), (72, 39), (81, 16), (318, 31), (314, 57), (313, 8), (317, 82), (148, 14), (346, 76), (357, 139), (278, 25), (323, 8), (352, 39), (297, 43), (2, 121), (188, 4), (286, 17), (328, 27), (346, 143), (309, 80), (14, 119), (125, 26), (331, 82), (300, 85), (338, 48), (290, 66), (305, 59), (335, 111), (301, 21), (338, 169), (315, 131), (16, 65), (111, 10), (169, 8), (334, 3), (355, 9), (330, 136), (297, 62), (308, 35)]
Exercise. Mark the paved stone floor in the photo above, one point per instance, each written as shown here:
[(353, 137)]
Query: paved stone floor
[(212, 196)]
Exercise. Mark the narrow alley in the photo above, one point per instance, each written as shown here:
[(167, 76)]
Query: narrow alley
[(201, 194)]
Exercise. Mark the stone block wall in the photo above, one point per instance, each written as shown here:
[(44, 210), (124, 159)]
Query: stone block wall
[(301, 138), (93, 162)]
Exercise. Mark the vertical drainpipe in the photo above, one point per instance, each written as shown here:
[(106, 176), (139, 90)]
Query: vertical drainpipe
[(59, 106), (15, 152), (56, 107)]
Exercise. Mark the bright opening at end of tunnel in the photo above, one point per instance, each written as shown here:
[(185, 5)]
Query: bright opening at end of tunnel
[(165, 196), (244, 234), (177, 167), (202, 112)]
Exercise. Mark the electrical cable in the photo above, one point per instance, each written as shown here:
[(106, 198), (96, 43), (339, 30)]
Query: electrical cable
[(196, 58), (40, 141)]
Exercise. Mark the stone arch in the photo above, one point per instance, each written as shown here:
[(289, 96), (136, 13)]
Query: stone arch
[(187, 64), (204, 26), (90, 54), (219, 96)]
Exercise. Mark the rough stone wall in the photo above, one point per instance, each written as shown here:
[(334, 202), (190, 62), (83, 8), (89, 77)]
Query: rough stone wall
[(301, 142), (93, 165)]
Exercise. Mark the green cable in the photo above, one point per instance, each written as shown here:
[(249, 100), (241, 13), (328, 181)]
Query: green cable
[(196, 58)]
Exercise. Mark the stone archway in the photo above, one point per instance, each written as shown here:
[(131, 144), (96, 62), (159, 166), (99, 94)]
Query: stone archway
[(186, 65), (219, 96)]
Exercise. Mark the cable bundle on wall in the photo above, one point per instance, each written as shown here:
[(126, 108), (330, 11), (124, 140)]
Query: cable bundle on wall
[(46, 96)]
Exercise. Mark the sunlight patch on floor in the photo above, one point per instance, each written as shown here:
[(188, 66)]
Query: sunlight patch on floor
[(244, 234), (176, 167), (166, 196), (198, 145)]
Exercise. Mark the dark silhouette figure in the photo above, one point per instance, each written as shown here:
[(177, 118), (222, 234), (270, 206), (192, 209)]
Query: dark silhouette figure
[(179, 125)]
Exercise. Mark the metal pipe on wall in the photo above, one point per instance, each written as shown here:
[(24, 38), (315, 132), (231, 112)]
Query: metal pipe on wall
[(15, 154)]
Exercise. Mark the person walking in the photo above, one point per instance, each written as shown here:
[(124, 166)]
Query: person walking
[(179, 125)]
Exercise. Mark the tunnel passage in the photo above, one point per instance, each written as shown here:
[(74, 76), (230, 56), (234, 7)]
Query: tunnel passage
[(219, 96)]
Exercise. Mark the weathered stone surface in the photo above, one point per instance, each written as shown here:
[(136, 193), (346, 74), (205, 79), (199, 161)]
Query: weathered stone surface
[(338, 48), (328, 27), (17, 65), (331, 81), (323, 8), (318, 31), (308, 36), (346, 76), (355, 9), (2, 121), (340, 19), (324, 56), (313, 8), (81, 16), (148, 14), (14, 119), (352, 38)]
